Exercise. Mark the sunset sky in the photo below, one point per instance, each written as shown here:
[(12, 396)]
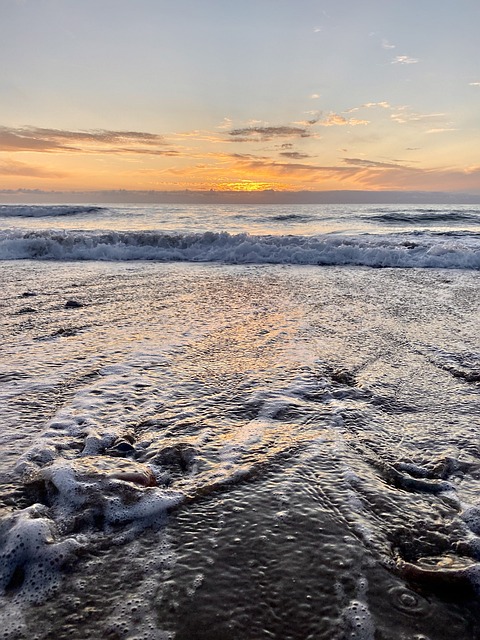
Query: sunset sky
[(240, 94)]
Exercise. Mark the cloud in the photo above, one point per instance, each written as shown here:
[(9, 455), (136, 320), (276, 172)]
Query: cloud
[(98, 141), (12, 168), (310, 171), (268, 133), (387, 45), (315, 96), (225, 124), (404, 60), (364, 173), (311, 121), (294, 155), (441, 130), (447, 179), (403, 116), (362, 162), (337, 120), (197, 135), (243, 156), (474, 84), (372, 174), (384, 105)]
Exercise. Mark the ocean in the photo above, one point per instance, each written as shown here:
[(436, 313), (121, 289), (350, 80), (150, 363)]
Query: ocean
[(240, 422)]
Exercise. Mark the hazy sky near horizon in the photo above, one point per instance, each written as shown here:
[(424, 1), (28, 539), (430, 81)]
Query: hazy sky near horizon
[(245, 94)]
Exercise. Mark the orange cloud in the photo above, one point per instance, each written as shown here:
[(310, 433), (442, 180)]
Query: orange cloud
[(11, 168), (101, 141)]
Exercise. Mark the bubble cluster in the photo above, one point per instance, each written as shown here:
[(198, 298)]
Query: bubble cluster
[(359, 621), (114, 489), (32, 554)]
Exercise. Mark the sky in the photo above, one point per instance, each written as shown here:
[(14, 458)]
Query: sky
[(240, 95)]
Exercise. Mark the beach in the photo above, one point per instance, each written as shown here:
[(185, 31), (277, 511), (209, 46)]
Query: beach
[(212, 448)]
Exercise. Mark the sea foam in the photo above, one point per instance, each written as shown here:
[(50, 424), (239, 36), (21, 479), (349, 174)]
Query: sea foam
[(449, 251)]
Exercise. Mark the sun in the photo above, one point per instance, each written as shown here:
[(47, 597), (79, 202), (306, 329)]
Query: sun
[(248, 185)]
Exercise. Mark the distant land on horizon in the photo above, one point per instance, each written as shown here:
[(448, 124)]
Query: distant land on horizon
[(26, 196)]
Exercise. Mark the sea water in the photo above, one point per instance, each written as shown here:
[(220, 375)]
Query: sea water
[(222, 423)]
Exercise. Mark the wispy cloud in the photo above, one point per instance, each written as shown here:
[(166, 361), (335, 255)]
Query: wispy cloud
[(370, 105), (441, 130), (99, 141), (337, 120), (364, 173), (13, 168), (268, 133), (404, 60), (304, 170), (294, 155), (362, 162), (196, 135), (404, 115), (474, 84), (225, 124), (311, 121), (387, 45)]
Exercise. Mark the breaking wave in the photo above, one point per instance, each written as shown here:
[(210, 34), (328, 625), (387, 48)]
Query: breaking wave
[(450, 251)]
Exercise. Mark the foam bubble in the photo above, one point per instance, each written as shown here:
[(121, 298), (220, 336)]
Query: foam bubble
[(32, 553), (359, 621)]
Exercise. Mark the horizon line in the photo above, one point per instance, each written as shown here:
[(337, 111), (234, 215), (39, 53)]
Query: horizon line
[(212, 196)]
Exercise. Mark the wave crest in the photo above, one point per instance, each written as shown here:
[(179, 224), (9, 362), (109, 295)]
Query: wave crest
[(423, 216), (42, 211), (454, 251)]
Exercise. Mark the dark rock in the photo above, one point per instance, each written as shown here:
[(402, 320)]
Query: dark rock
[(24, 310), (177, 458), (28, 294), (120, 448), (73, 304), (342, 376), (64, 332)]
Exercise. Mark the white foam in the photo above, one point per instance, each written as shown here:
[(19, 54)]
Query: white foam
[(32, 553), (114, 488), (400, 250)]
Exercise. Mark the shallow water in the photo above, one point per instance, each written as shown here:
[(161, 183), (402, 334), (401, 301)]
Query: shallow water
[(312, 435)]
